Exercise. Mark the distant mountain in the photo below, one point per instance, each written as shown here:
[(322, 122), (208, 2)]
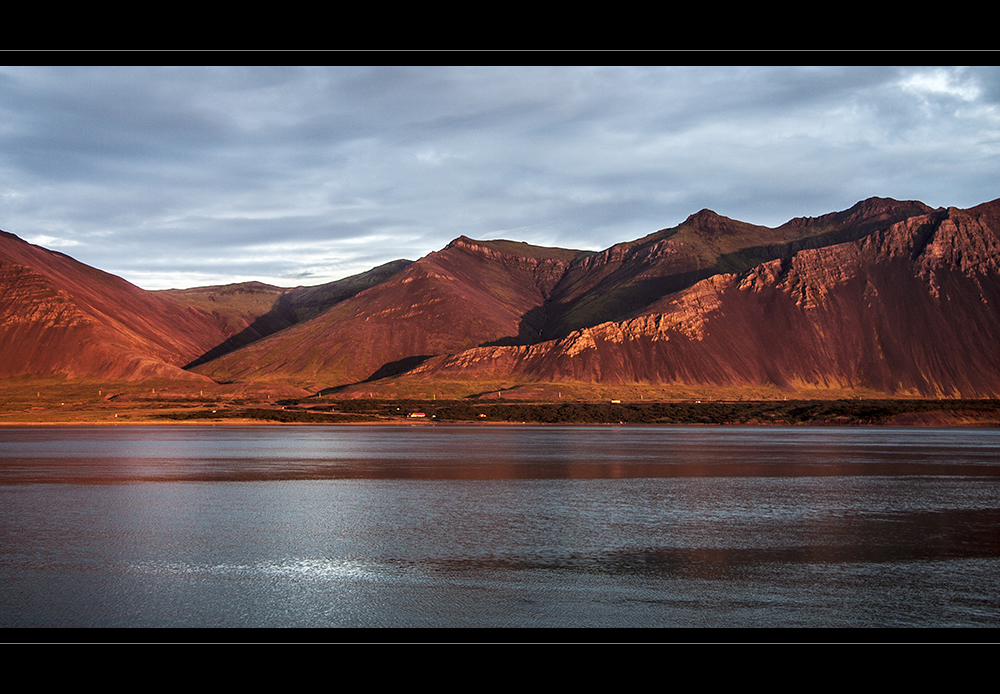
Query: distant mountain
[(888, 295), (249, 311), (482, 308)]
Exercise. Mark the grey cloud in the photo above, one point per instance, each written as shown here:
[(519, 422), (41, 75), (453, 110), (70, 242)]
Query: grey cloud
[(196, 169)]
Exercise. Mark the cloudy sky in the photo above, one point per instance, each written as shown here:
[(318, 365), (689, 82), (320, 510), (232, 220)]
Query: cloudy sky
[(180, 177)]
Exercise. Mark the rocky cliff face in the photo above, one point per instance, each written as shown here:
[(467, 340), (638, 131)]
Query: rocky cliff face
[(907, 309), (630, 279)]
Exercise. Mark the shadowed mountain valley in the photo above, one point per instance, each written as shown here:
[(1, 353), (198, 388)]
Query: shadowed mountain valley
[(249, 311)]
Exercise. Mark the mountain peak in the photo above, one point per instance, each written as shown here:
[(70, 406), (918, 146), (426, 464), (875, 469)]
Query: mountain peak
[(704, 215), (516, 249), (881, 206), (709, 223)]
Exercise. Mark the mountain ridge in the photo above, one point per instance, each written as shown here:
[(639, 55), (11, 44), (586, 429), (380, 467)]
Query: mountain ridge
[(889, 295), (889, 311)]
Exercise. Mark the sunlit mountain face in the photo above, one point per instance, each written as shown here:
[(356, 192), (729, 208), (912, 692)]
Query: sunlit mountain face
[(887, 296)]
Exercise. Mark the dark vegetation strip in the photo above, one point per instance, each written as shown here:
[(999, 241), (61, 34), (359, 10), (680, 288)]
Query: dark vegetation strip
[(269, 415), (860, 412), (791, 412)]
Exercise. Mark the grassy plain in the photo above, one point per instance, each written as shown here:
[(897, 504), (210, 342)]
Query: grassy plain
[(59, 401)]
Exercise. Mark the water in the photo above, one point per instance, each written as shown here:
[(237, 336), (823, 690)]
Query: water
[(468, 526)]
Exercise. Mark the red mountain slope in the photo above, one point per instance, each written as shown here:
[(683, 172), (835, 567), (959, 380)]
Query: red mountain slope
[(479, 293), (911, 309), (468, 294), (628, 279), (887, 295), (61, 317), (249, 311)]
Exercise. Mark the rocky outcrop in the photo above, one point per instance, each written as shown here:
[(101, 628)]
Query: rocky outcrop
[(632, 279)]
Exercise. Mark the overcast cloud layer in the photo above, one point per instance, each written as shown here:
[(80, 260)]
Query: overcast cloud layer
[(179, 177)]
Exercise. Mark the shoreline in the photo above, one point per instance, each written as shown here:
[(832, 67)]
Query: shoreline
[(266, 423), (422, 413)]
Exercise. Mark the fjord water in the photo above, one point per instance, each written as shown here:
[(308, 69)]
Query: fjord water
[(478, 526)]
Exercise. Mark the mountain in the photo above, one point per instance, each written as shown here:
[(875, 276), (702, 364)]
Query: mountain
[(490, 303), (888, 296), (909, 309), (628, 279), (249, 311), (468, 294), (61, 317)]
